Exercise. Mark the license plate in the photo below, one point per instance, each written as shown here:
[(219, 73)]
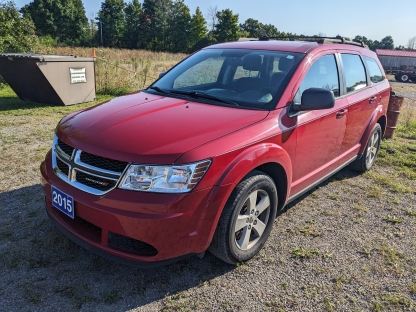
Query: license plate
[(63, 202)]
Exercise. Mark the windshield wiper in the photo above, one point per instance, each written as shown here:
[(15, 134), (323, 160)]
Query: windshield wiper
[(158, 89), (199, 94)]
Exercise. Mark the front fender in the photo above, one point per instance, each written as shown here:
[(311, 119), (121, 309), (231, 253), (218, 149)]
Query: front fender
[(378, 112), (237, 169), (254, 157)]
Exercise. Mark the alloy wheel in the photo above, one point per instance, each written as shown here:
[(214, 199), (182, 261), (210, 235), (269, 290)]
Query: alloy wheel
[(252, 220), (372, 149)]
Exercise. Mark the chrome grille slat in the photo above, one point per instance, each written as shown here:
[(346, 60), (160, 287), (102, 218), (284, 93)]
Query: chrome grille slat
[(86, 177)]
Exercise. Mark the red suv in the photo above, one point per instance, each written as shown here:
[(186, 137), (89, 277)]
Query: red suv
[(206, 156)]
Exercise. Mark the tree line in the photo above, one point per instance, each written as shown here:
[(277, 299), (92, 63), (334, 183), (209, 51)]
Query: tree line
[(158, 25)]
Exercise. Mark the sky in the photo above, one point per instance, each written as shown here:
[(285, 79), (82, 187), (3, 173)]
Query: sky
[(374, 19)]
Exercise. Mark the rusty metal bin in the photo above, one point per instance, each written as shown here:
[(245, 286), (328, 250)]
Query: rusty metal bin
[(51, 79), (393, 112)]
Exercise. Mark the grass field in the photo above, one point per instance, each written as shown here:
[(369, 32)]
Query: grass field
[(348, 245), (120, 71)]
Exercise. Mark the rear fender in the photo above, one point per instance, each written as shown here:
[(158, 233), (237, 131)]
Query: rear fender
[(378, 112)]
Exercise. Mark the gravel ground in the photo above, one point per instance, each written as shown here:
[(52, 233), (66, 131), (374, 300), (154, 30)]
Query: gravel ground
[(348, 245)]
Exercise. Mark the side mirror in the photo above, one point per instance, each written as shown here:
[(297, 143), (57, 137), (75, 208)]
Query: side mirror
[(315, 98), (161, 74)]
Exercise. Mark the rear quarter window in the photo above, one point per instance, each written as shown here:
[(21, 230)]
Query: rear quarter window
[(355, 76), (374, 70)]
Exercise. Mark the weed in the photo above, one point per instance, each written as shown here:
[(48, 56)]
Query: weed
[(374, 191), (112, 297), (339, 280), (304, 253), (329, 306), (396, 300), (333, 197), (392, 219), (352, 299), (410, 212), (412, 287), (376, 306), (6, 234), (309, 230), (390, 255)]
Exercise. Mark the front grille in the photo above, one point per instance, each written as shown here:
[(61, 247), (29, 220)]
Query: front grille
[(62, 166), (103, 163), (130, 245), (65, 148), (91, 226), (91, 173), (95, 182)]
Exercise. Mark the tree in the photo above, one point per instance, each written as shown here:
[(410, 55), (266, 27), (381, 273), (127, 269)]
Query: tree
[(270, 31), (253, 27), (180, 27), (17, 34), (411, 44), (198, 28), (62, 19), (133, 13), (386, 43), (227, 27), (111, 19), (212, 18), (156, 24)]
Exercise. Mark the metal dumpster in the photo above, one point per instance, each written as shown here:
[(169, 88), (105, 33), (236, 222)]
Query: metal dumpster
[(51, 79)]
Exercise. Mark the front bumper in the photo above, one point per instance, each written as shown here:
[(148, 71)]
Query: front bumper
[(137, 228)]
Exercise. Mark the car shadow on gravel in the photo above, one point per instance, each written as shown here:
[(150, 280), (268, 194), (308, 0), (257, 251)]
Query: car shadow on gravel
[(42, 269), (343, 174)]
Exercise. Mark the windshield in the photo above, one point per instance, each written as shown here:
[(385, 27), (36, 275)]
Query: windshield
[(232, 77)]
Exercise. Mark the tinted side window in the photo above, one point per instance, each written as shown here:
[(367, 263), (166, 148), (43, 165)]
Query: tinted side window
[(354, 72), (374, 70), (322, 74)]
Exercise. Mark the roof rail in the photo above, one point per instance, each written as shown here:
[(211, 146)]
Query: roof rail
[(317, 39)]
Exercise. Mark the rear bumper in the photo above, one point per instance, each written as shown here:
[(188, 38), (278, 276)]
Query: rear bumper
[(151, 229)]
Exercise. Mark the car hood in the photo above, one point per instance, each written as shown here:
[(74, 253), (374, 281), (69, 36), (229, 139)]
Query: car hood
[(151, 129)]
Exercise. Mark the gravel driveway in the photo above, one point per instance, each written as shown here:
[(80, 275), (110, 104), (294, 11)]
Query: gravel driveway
[(348, 245)]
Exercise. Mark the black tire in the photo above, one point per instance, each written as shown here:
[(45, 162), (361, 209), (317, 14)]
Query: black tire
[(367, 160), (397, 77), (229, 245), (403, 77)]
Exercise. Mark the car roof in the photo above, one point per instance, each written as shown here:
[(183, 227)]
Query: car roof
[(285, 46)]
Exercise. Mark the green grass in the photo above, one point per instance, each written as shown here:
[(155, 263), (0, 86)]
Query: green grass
[(11, 105)]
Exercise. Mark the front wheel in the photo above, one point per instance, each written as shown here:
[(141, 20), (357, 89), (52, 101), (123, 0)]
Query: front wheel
[(369, 157), (247, 219)]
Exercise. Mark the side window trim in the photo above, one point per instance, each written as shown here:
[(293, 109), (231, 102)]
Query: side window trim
[(367, 72), (341, 75)]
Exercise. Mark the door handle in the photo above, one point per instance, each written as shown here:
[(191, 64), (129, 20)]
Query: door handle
[(372, 99), (342, 113)]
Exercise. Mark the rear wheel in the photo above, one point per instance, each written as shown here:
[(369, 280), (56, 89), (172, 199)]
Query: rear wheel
[(247, 219), (403, 77), (369, 157)]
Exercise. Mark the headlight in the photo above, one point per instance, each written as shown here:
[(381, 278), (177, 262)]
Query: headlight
[(164, 179)]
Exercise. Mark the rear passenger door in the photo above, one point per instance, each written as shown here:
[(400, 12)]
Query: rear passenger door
[(362, 100)]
